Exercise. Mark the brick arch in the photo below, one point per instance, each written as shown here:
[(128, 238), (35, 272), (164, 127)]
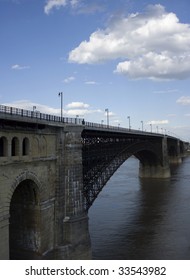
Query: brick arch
[(25, 217), (26, 175)]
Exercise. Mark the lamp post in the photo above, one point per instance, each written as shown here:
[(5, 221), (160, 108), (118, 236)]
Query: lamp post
[(150, 127), (34, 109), (129, 122), (77, 116), (60, 94), (107, 111), (142, 125)]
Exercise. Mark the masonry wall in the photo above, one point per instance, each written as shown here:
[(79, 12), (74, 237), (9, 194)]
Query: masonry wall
[(49, 161), (37, 164)]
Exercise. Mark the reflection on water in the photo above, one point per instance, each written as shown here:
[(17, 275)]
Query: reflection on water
[(135, 218)]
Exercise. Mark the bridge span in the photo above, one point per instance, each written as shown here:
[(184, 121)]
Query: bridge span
[(51, 171)]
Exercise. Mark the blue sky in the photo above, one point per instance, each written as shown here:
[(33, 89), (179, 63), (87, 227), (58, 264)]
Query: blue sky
[(130, 56)]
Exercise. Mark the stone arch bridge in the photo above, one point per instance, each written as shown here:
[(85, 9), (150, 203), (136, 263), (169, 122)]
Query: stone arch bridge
[(51, 171)]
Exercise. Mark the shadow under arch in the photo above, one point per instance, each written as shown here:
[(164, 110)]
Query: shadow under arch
[(96, 176), (24, 228)]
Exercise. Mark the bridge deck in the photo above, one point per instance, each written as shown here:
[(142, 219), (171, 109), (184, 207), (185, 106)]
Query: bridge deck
[(35, 117)]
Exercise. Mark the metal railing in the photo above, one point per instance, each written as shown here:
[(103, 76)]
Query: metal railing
[(37, 115), (47, 117), (77, 121)]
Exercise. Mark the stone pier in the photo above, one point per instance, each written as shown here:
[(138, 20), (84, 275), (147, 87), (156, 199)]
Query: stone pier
[(159, 169)]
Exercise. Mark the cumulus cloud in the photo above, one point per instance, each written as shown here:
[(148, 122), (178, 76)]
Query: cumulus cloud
[(156, 66), (184, 100), (77, 105), (153, 45)]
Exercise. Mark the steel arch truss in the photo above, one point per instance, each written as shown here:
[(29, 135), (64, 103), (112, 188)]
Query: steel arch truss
[(103, 154)]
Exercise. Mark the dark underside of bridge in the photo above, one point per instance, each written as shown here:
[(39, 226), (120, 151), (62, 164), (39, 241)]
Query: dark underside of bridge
[(105, 151)]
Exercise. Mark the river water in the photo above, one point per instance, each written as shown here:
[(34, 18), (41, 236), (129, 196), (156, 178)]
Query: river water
[(135, 218)]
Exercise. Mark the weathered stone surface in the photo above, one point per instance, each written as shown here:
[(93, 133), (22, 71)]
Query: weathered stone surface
[(41, 193)]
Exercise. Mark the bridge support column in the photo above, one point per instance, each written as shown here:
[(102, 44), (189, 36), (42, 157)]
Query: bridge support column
[(4, 237), (73, 239), (154, 171), (157, 170), (177, 157)]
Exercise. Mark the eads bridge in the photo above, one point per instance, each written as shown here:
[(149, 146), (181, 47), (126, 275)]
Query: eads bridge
[(51, 171)]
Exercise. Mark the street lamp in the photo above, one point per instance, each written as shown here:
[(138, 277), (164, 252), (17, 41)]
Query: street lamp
[(77, 116), (150, 127), (60, 94), (129, 122), (142, 125), (107, 111)]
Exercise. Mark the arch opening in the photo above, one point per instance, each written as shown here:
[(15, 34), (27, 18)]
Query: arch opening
[(24, 228), (15, 147), (3, 147), (25, 147)]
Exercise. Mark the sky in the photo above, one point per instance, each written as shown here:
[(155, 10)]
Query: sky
[(131, 57)]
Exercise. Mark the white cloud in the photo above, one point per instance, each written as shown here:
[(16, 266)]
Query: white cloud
[(156, 66), (19, 67), (91, 83), (51, 4), (69, 80), (82, 112), (151, 45), (77, 105), (184, 100), (77, 112), (111, 114), (157, 122), (78, 6)]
